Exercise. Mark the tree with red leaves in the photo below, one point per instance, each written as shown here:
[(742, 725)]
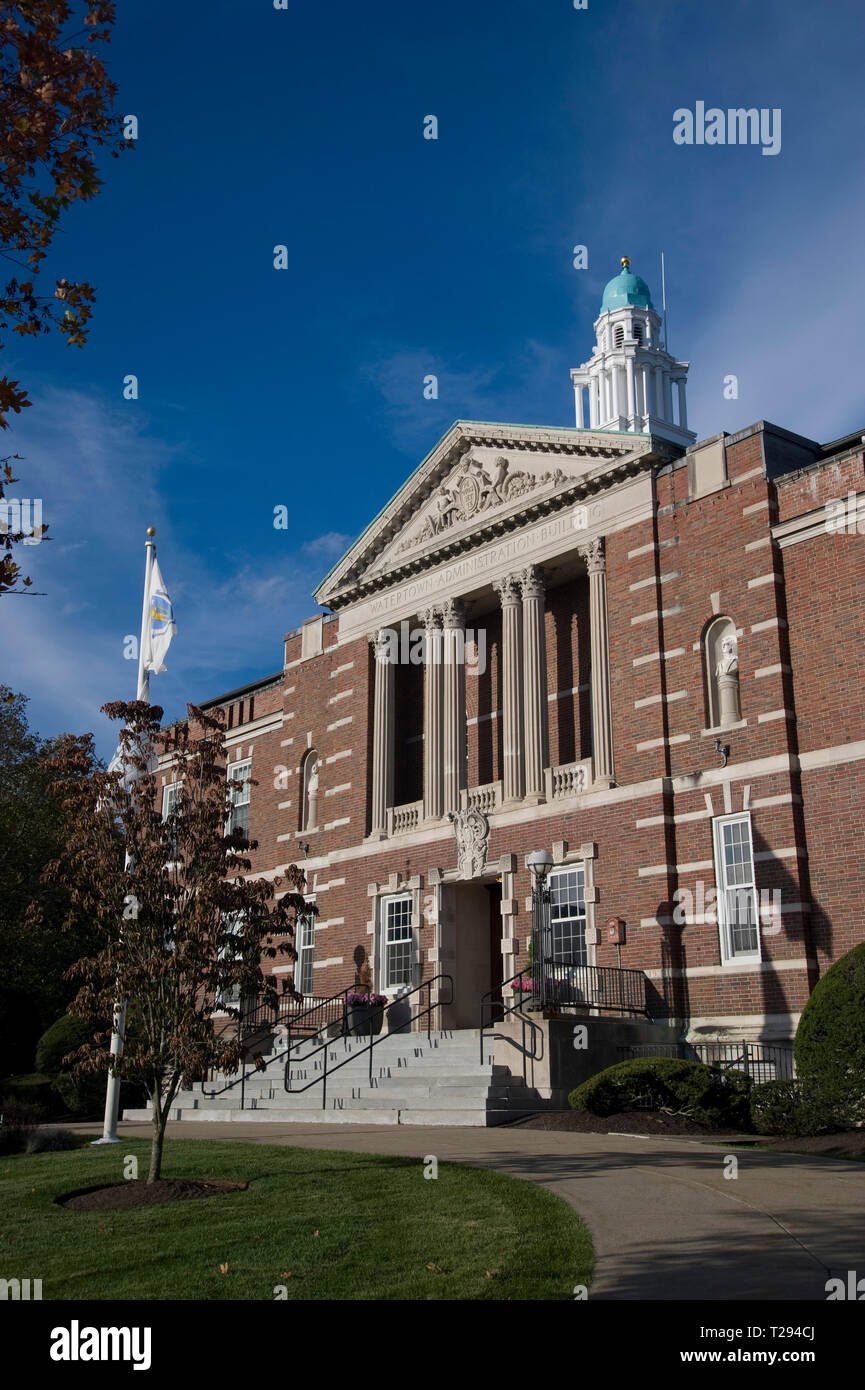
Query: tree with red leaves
[(184, 927)]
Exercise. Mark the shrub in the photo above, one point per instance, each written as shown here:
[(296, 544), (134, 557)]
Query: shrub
[(830, 1040), (20, 1119), (788, 1109), (65, 1035), (708, 1096), (81, 1095), (30, 1089), (52, 1141)]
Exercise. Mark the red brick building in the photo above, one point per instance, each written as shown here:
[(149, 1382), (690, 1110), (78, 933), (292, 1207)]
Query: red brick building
[(639, 652)]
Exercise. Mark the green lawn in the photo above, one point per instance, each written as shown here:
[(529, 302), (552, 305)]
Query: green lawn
[(343, 1225)]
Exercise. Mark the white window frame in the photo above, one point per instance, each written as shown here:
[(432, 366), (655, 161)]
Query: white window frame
[(239, 796), (729, 956), (167, 799), (223, 1002), (557, 872), (305, 922), (386, 985)]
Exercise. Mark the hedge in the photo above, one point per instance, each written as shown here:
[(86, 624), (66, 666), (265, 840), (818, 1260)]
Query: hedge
[(710, 1097)]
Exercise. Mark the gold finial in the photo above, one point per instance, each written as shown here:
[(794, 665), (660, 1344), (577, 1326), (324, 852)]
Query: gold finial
[(626, 261), (151, 530)]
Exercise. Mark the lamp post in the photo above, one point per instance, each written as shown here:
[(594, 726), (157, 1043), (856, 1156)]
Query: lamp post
[(540, 861)]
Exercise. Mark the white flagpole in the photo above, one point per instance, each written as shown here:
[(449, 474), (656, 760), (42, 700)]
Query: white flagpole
[(112, 1089)]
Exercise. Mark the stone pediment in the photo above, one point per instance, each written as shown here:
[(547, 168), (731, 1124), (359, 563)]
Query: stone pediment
[(481, 481)]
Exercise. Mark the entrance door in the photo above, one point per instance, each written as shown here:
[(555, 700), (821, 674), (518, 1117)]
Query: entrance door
[(472, 938), (494, 891)]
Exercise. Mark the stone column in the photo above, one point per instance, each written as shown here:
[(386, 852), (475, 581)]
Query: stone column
[(632, 389), (593, 402), (602, 731), (614, 385), (578, 398), (432, 747), (383, 728), (512, 688), (454, 706), (534, 682), (683, 409)]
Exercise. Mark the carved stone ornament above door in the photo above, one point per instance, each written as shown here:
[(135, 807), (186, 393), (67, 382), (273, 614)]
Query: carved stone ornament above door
[(472, 830)]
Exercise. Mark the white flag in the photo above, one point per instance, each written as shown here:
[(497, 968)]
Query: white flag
[(160, 626)]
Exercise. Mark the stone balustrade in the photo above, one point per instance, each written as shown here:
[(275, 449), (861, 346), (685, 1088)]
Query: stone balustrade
[(402, 820), (568, 779)]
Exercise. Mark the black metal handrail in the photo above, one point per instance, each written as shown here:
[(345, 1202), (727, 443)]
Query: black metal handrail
[(754, 1059), (488, 1001), (374, 1039), (320, 1009), (570, 984)]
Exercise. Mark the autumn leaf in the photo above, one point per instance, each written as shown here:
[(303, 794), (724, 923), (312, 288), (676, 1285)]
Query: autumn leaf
[(223, 1269), (436, 1269)]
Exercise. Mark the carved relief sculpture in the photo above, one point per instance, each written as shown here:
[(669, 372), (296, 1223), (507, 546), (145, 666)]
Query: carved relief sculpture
[(471, 490), (472, 830)]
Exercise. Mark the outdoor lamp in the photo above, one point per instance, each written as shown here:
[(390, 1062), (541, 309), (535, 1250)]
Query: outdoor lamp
[(540, 861)]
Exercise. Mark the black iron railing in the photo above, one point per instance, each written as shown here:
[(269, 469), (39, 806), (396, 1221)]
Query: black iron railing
[(403, 1025), (494, 1010), (570, 985), (760, 1061), (290, 1013)]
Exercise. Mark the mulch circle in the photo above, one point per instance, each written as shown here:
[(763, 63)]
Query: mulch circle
[(126, 1195), (624, 1122)]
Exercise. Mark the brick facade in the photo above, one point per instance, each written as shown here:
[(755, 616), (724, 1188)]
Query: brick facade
[(739, 527)]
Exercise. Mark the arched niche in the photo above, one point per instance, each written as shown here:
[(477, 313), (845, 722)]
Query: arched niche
[(721, 673)]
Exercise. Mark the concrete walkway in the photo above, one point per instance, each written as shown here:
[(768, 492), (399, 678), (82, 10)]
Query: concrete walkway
[(665, 1221)]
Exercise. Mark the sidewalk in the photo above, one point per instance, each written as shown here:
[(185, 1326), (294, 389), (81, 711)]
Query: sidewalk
[(665, 1221)]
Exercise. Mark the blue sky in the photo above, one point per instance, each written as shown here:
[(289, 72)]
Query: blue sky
[(407, 256)]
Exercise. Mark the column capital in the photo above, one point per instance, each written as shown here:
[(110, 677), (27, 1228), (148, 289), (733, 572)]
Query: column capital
[(532, 582), (431, 619), (380, 641), (508, 590), (595, 555), (453, 612)]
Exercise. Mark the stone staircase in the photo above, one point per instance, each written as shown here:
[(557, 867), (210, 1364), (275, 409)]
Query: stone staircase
[(415, 1081)]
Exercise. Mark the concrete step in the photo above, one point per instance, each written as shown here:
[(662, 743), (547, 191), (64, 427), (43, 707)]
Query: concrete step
[(415, 1080)]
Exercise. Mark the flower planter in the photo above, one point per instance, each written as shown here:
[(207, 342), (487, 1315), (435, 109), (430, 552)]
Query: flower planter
[(364, 1019)]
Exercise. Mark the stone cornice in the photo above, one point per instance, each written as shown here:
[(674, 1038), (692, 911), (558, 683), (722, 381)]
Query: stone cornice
[(623, 455)]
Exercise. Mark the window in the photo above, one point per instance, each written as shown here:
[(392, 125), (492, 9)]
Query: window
[(397, 943), (619, 336), (229, 998), (305, 946), (738, 919), (568, 915), (239, 816), (170, 797), (638, 331)]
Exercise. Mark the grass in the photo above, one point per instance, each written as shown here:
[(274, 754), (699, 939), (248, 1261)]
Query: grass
[(325, 1225)]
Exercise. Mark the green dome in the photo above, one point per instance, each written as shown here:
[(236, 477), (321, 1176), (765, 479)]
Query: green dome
[(626, 289)]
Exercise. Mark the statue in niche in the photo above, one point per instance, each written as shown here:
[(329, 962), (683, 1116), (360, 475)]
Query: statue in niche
[(313, 768), (729, 661), (727, 701)]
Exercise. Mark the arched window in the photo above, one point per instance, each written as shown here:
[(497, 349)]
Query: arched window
[(619, 335), (309, 790), (721, 673), (638, 331)]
